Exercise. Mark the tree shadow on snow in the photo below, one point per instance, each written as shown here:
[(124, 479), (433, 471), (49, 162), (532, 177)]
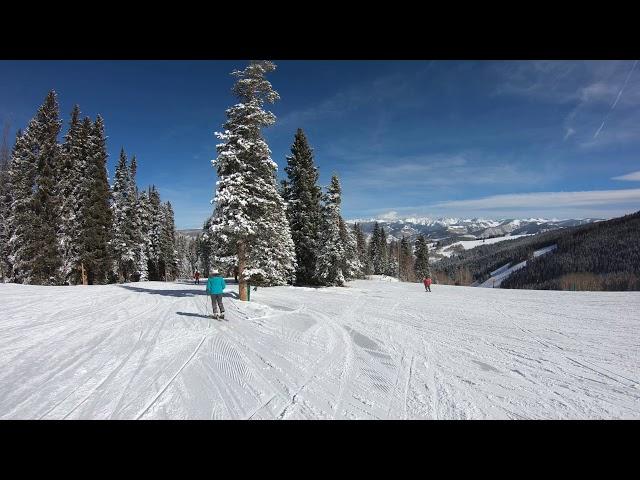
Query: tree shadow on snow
[(176, 293)]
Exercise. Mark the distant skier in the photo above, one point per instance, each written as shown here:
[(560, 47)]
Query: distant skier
[(427, 284), (197, 277), (215, 287)]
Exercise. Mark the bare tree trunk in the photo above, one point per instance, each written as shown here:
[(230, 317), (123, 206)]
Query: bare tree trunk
[(242, 261), (85, 279)]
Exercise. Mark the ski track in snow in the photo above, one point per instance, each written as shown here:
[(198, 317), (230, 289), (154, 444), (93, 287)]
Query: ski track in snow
[(372, 350)]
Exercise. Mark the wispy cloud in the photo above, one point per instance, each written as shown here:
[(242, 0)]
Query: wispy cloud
[(548, 199), (441, 170), (398, 89), (585, 204), (629, 177), (595, 88), (616, 100)]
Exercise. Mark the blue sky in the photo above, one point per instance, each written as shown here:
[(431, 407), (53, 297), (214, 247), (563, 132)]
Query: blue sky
[(407, 138)]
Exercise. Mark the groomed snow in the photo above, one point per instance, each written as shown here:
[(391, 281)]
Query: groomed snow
[(375, 349), (468, 244)]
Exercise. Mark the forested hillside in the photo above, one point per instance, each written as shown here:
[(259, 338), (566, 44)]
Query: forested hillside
[(602, 256), (598, 256)]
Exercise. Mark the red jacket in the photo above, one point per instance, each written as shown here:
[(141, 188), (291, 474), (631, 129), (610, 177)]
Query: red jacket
[(427, 282)]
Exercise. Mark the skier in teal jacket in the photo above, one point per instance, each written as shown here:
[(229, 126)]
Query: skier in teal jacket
[(215, 287)]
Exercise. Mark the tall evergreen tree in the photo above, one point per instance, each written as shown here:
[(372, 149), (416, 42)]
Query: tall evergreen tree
[(405, 267), (303, 195), (22, 172), (143, 207), (69, 188), (5, 204), (205, 248), (361, 247), (249, 217), (383, 248), (136, 212), (123, 243), (351, 267), (154, 251), (421, 265), (34, 217), (393, 259), (375, 256), (96, 219), (331, 254), (167, 243)]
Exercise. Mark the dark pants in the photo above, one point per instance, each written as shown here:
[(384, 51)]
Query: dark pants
[(197, 281), (216, 301), (427, 288)]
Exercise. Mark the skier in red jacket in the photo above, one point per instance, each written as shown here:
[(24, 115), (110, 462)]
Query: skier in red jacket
[(427, 284)]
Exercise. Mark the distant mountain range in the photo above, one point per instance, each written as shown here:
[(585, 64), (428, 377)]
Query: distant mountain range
[(449, 230)]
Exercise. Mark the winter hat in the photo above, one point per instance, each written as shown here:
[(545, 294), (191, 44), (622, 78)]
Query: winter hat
[(214, 272)]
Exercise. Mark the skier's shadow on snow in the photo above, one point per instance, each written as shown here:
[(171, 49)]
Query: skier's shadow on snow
[(176, 293), (186, 314)]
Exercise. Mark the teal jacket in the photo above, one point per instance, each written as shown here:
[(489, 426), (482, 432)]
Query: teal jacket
[(215, 285)]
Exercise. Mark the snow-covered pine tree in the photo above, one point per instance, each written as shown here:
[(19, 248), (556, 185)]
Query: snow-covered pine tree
[(406, 261), (393, 259), (182, 245), (249, 217), (123, 243), (192, 256), (375, 255), (136, 212), (331, 254), (144, 226), (22, 174), (205, 248), (361, 247), (96, 220), (303, 195), (71, 173), (5, 204), (352, 267), (383, 248), (421, 265), (169, 260), (34, 217), (154, 252)]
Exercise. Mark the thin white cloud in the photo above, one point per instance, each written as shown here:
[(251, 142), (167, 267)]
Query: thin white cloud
[(595, 135), (548, 200), (564, 205), (630, 177), (437, 170), (388, 216)]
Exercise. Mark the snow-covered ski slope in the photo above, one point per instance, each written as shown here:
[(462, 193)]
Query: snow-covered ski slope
[(373, 350), (469, 244), (498, 276)]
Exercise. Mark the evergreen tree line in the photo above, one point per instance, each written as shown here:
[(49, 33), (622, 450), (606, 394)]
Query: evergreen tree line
[(62, 223), (193, 255), (401, 259), (287, 233), (328, 251)]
